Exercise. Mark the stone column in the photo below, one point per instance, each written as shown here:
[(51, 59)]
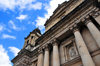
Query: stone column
[(56, 59), (94, 31), (40, 59), (46, 56), (83, 51)]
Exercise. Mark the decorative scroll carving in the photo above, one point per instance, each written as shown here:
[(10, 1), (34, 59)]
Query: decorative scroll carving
[(95, 13), (74, 28), (55, 42), (46, 47), (40, 51)]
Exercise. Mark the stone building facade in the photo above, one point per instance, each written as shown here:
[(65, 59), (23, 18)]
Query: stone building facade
[(72, 37)]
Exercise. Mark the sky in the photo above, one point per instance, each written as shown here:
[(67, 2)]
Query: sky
[(17, 19)]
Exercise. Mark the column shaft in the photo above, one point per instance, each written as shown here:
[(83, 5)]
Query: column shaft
[(83, 51), (46, 57), (94, 31), (40, 59), (56, 60)]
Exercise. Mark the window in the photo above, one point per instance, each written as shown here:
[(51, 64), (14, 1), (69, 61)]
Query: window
[(32, 37), (27, 41)]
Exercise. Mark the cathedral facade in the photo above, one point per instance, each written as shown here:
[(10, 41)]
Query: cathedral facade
[(71, 38)]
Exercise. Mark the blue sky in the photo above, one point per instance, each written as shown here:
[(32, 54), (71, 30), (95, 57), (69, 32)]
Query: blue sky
[(17, 19)]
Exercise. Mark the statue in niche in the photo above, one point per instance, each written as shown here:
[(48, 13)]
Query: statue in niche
[(72, 52)]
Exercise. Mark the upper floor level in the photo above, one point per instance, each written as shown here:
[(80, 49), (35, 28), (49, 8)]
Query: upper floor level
[(61, 11)]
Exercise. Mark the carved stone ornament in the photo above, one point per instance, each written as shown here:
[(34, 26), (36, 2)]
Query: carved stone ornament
[(55, 41), (40, 51), (46, 47), (74, 28), (95, 13), (86, 20)]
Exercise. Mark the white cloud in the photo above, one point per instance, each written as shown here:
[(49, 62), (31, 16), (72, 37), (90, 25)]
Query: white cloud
[(35, 6), (7, 4), (40, 22), (4, 58), (1, 28), (13, 26), (49, 8), (14, 50), (21, 17), (21, 4), (6, 36)]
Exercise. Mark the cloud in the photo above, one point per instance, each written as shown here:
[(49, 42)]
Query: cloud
[(14, 50), (21, 4), (40, 21), (4, 57), (7, 4), (36, 6), (6, 36), (14, 27), (1, 28), (21, 17)]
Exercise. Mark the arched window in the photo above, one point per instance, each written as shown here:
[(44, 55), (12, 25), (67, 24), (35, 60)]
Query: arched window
[(32, 37)]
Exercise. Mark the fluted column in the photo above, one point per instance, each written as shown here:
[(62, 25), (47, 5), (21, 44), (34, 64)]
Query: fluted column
[(83, 51), (94, 31), (56, 60), (46, 56), (40, 59)]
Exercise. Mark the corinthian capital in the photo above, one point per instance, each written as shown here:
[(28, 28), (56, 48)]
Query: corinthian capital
[(55, 41), (46, 47), (40, 51), (74, 28), (86, 20)]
